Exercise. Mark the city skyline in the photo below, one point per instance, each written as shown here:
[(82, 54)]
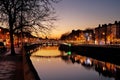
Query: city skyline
[(82, 14)]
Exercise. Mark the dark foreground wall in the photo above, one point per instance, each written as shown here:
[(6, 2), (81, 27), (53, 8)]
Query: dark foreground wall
[(92, 49), (29, 70)]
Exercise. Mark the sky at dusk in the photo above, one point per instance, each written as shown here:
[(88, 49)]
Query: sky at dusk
[(82, 14)]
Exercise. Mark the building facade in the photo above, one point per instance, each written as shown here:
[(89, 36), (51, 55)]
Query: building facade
[(18, 39), (108, 34)]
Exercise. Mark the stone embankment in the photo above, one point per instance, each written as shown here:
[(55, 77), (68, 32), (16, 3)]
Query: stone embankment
[(90, 48), (29, 71)]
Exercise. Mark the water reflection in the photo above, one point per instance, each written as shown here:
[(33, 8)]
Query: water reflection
[(52, 64), (103, 68)]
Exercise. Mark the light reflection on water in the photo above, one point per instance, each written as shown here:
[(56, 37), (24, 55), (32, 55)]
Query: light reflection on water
[(52, 64)]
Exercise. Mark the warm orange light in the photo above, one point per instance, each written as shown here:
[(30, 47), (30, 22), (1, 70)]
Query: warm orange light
[(7, 33), (103, 33)]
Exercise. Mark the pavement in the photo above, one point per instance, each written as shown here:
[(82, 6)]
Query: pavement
[(11, 67)]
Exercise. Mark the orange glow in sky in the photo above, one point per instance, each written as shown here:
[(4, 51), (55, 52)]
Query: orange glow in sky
[(82, 14)]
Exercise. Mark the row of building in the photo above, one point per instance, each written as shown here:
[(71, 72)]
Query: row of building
[(18, 37), (103, 34), (108, 34)]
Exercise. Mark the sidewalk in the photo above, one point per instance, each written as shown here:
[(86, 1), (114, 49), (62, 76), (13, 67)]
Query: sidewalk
[(11, 67)]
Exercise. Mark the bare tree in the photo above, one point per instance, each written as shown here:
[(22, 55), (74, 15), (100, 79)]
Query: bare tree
[(28, 15)]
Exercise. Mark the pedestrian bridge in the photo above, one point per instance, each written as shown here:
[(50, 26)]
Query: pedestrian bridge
[(50, 42)]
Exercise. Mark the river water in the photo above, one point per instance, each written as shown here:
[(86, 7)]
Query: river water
[(53, 64)]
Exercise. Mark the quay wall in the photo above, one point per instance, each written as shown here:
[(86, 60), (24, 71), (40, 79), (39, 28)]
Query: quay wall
[(95, 49), (29, 71)]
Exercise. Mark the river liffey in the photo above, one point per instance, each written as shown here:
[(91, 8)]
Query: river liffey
[(53, 64)]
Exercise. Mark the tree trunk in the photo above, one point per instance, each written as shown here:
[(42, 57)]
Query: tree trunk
[(12, 43), (11, 37), (11, 24)]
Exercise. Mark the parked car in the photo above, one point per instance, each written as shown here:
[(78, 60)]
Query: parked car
[(2, 47)]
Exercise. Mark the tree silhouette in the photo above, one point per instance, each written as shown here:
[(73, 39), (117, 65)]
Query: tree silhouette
[(26, 15)]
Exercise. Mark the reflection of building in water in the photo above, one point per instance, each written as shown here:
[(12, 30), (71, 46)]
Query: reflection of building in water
[(81, 59), (103, 68)]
